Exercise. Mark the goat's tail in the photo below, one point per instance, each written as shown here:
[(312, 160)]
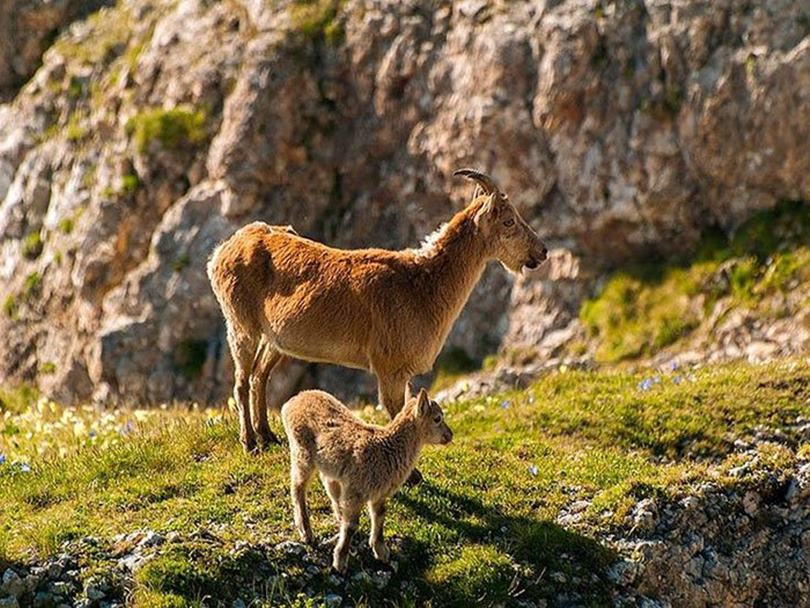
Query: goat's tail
[(214, 270)]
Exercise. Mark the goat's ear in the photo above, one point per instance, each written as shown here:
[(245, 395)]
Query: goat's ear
[(422, 403), (487, 209)]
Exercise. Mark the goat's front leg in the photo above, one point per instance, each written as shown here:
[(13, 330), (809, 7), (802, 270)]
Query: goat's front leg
[(376, 513), (266, 359), (392, 391), (349, 520)]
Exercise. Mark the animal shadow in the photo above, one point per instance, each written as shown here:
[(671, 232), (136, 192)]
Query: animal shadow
[(553, 560)]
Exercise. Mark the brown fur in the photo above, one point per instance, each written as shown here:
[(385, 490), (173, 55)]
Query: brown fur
[(388, 312), (359, 464)]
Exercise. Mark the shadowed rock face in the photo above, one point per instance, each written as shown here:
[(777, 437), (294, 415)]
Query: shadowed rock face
[(620, 130), (27, 27)]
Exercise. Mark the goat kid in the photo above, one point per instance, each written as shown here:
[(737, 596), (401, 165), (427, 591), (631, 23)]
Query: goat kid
[(359, 463)]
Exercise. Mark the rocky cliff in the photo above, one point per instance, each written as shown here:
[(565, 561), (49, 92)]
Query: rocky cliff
[(149, 131)]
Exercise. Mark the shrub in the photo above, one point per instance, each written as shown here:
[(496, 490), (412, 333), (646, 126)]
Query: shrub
[(175, 129), (66, 225), (130, 183), (32, 284), (32, 245), (317, 19), (48, 367), (10, 307)]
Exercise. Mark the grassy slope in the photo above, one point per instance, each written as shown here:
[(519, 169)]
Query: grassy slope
[(481, 529), (646, 308)]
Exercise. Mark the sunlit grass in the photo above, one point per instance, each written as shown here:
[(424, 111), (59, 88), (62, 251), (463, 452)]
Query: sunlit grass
[(482, 525)]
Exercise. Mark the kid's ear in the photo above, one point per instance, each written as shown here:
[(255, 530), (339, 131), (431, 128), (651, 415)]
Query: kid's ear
[(488, 208), (422, 403)]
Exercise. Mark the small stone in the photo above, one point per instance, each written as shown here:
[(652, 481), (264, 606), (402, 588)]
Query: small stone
[(333, 600), (151, 539), (12, 583), (31, 582), (291, 547), (93, 592), (622, 572), (61, 588), (238, 603), (559, 577), (750, 502), (381, 579), (43, 599)]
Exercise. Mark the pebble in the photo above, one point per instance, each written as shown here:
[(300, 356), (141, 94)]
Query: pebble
[(333, 600), (12, 583)]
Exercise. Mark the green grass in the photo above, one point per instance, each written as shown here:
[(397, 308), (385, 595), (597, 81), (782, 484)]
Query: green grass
[(32, 245), (318, 20), (110, 29), (480, 529), (66, 225), (31, 285), (646, 308), (175, 129), (74, 130), (10, 307), (130, 183)]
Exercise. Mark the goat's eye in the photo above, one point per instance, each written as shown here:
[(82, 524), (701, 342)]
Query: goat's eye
[(437, 419), (509, 223)]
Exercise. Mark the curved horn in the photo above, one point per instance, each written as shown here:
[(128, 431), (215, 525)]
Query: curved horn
[(484, 180)]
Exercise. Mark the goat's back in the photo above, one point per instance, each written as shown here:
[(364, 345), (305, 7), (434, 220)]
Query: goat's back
[(317, 423)]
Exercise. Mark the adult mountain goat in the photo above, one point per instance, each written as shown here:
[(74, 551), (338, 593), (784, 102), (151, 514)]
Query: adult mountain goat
[(388, 312)]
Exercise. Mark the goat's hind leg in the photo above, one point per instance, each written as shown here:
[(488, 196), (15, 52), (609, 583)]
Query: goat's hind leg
[(266, 359), (376, 512), (349, 520), (301, 470), (334, 490), (243, 350)]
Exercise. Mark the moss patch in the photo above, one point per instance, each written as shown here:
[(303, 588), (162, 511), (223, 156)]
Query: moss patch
[(175, 129), (32, 245), (318, 19)]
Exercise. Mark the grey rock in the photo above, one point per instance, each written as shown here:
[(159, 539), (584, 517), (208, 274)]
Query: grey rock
[(333, 600), (12, 583), (619, 135)]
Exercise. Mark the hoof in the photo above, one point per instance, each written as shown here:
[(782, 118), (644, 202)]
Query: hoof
[(382, 553), (267, 441), (249, 445), (338, 569), (414, 478)]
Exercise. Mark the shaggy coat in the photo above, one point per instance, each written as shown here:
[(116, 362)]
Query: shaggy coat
[(359, 463), (387, 312)]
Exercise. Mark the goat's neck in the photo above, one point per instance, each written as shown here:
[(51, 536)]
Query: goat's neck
[(454, 265), (401, 443)]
